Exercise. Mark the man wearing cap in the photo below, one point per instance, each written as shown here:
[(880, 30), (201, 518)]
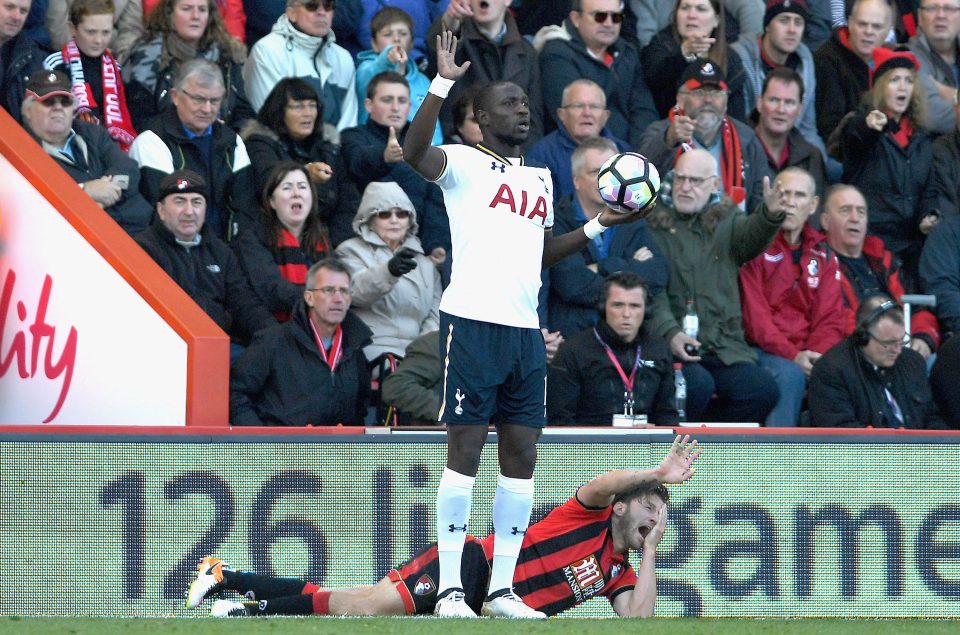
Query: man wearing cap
[(781, 45), (937, 47), (594, 50), (310, 370), (197, 260), (700, 120), (19, 55), (843, 63), (85, 151), (188, 134)]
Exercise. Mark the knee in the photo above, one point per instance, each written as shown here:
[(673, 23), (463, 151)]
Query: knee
[(464, 446)]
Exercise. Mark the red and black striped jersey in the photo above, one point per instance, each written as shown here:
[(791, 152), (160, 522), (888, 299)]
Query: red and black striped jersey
[(567, 558)]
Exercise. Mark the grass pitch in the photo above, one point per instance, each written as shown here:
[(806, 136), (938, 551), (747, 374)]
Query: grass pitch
[(431, 626)]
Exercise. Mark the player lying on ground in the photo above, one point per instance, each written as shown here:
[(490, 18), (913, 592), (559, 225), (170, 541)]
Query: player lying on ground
[(578, 551)]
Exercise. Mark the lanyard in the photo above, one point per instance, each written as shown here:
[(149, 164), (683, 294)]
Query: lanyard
[(332, 357), (627, 381)]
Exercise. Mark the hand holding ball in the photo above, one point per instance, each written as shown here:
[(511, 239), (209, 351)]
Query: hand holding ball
[(628, 182)]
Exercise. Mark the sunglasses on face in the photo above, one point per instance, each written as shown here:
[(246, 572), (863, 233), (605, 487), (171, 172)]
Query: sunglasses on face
[(63, 102), (601, 16), (313, 5), (399, 213)]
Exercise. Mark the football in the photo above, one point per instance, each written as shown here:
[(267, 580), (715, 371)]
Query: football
[(628, 182)]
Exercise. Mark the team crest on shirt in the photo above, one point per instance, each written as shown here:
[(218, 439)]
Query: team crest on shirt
[(424, 586), (615, 570), (585, 577), (813, 267)]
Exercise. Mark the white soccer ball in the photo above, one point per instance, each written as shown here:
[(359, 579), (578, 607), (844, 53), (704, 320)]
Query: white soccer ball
[(628, 182)]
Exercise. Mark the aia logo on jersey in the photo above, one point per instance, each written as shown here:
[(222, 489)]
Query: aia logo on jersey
[(586, 572), (533, 210), (424, 586)]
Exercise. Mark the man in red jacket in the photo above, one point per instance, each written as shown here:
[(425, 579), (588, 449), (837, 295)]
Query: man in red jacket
[(866, 267), (792, 304)]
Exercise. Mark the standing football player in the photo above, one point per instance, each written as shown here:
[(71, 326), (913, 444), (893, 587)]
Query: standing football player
[(501, 214)]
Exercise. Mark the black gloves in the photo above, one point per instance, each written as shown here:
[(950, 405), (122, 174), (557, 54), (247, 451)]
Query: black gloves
[(402, 262)]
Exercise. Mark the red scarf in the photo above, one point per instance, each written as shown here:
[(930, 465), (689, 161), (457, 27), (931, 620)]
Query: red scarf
[(903, 133), (332, 357), (293, 263), (731, 157), (116, 118)]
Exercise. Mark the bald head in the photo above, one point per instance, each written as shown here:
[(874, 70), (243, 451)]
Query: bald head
[(694, 180)]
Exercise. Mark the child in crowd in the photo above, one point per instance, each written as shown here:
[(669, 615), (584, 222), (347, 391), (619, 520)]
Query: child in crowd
[(94, 73), (392, 31)]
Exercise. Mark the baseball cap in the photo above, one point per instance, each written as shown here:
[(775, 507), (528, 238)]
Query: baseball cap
[(702, 73), (45, 84), (183, 182), (776, 7)]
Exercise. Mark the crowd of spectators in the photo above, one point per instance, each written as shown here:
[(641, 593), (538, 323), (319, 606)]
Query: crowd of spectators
[(810, 155)]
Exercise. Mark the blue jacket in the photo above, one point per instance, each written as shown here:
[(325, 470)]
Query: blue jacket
[(370, 63), (555, 151), (575, 289)]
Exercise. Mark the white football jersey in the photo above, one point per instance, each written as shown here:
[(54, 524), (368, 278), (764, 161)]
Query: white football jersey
[(498, 210)]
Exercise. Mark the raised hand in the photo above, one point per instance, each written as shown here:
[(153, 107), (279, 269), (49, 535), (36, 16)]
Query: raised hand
[(397, 56), (681, 129), (697, 44), (446, 57), (393, 153), (677, 466), (456, 11), (320, 172), (773, 196)]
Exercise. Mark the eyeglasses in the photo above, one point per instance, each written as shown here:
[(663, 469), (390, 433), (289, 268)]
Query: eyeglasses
[(601, 16), (330, 291), (197, 100), (579, 106), (941, 8), (402, 214), (61, 100), (708, 93), (300, 106), (891, 344), (694, 181), (313, 5)]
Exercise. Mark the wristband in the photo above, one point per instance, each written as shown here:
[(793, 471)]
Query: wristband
[(440, 86), (593, 228)]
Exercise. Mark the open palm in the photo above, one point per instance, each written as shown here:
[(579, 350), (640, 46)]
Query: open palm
[(447, 66)]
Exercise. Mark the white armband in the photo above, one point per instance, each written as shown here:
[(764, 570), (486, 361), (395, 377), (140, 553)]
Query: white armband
[(593, 228), (440, 86)]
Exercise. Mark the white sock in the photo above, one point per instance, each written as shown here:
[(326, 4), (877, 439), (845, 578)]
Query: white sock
[(511, 517), (454, 496)]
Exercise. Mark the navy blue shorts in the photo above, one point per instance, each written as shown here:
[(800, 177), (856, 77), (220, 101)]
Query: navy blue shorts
[(492, 373)]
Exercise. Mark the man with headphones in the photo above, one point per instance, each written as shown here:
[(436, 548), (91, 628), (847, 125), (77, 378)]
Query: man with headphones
[(872, 378), (616, 370)]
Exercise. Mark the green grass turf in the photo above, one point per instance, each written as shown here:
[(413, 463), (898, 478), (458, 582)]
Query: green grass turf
[(430, 626)]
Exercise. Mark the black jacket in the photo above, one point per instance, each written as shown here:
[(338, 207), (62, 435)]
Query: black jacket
[(337, 199), (232, 203), (513, 60), (802, 154), (575, 289), (894, 180), (629, 99), (945, 180), (846, 391), (21, 57), (362, 149), (209, 273), (280, 380), (585, 389), (261, 267), (842, 78), (663, 64), (97, 155)]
